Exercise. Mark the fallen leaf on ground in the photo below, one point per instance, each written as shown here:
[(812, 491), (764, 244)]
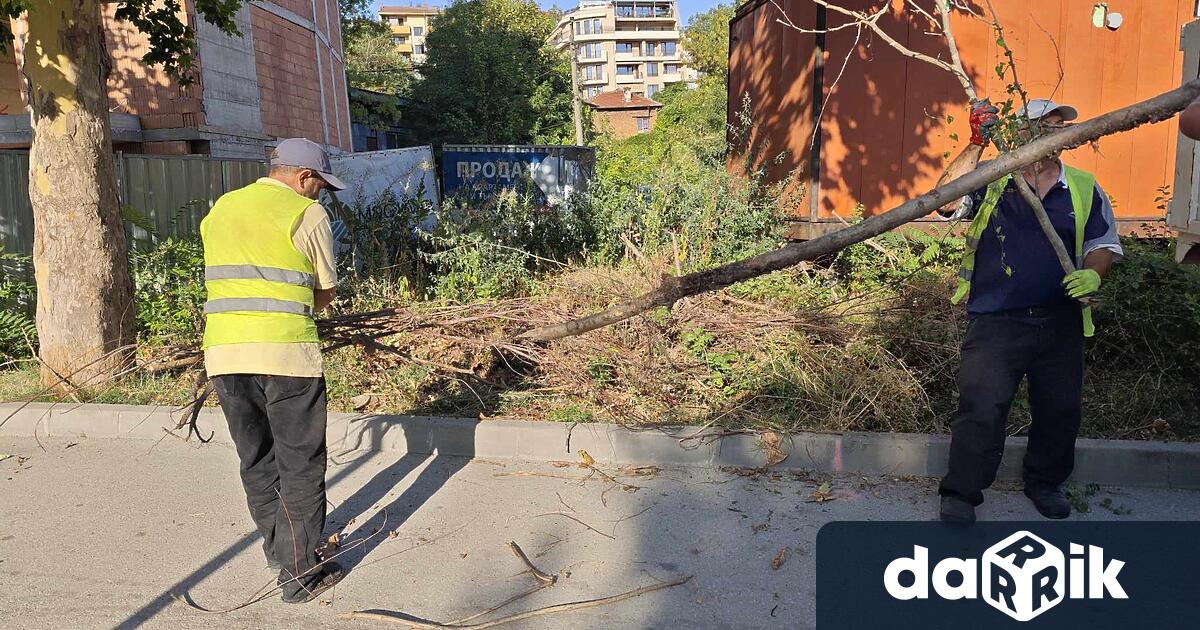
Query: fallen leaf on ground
[(70, 444), (822, 494), (4, 456), (560, 464), (640, 471), (772, 442), (780, 558), (22, 459), (360, 401), (393, 534)]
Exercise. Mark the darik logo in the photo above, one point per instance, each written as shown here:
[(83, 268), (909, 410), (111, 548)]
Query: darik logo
[(1022, 576)]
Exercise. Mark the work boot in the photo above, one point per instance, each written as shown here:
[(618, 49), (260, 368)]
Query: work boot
[(1051, 502), (955, 510), (308, 587)]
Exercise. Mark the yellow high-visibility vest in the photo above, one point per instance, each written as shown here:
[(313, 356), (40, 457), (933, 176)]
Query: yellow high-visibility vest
[(260, 287), (1080, 184)]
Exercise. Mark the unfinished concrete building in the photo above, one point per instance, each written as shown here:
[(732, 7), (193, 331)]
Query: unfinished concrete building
[(283, 77)]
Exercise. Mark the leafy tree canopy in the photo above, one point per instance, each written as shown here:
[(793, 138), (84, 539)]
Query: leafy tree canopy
[(706, 39), (491, 77), (374, 63)]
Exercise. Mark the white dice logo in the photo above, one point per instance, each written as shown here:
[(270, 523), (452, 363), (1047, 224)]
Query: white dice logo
[(1023, 576)]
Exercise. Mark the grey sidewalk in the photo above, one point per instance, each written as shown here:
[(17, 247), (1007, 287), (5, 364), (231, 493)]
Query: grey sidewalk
[(1122, 462), (98, 534)]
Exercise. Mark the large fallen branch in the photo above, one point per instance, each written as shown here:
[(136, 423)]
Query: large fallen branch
[(674, 288)]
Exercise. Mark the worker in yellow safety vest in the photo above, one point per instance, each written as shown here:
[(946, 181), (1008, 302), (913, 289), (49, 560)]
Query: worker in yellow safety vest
[(1025, 317), (268, 268)]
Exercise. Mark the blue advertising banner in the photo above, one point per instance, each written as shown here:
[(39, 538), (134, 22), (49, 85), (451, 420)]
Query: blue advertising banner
[(549, 173)]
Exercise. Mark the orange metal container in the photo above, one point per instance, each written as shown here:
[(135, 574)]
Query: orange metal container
[(888, 124)]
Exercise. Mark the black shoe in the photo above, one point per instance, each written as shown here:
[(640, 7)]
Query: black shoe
[(1050, 502), (955, 510), (309, 587)]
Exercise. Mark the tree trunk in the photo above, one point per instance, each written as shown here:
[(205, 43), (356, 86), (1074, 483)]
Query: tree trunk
[(84, 293), (675, 288)]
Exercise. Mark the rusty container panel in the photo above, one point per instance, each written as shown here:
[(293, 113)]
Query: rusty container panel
[(771, 71), (890, 123)]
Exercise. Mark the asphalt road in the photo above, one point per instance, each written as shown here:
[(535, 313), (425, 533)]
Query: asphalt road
[(102, 534)]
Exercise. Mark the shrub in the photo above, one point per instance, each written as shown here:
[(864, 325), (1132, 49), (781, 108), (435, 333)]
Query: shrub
[(168, 284), (17, 298)]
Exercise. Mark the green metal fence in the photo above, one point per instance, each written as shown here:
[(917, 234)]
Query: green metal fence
[(167, 194)]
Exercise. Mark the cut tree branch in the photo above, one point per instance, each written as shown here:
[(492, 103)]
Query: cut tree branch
[(673, 288)]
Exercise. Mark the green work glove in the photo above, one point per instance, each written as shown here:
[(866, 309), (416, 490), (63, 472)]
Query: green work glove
[(1081, 283)]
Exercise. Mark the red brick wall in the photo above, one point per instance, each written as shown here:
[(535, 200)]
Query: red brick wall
[(11, 101), (622, 123), (146, 91), (286, 62)]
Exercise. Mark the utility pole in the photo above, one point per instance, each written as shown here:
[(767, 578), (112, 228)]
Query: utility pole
[(576, 105)]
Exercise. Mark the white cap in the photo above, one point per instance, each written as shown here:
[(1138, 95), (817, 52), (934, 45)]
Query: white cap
[(1041, 107)]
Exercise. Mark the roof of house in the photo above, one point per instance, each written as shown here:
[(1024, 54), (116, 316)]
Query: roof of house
[(615, 99)]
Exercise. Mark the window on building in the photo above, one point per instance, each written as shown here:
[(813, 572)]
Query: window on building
[(662, 10), (651, 90), (400, 39), (624, 10), (642, 11), (593, 92), (596, 25), (652, 69), (649, 48), (593, 72), (627, 71), (398, 21), (670, 68), (668, 48), (418, 31), (625, 48), (419, 49), (643, 124)]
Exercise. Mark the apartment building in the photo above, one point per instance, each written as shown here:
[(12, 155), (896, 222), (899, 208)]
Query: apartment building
[(284, 76), (624, 45), (409, 27)]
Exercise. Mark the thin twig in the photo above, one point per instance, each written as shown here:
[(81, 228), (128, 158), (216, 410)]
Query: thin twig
[(542, 576), (569, 606), (565, 515)]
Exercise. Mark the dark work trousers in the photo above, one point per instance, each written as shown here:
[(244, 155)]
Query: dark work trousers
[(1045, 345), (278, 426)]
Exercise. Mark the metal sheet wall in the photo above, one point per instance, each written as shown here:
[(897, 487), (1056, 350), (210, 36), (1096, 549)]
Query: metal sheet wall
[(886, 132), (172, 192)]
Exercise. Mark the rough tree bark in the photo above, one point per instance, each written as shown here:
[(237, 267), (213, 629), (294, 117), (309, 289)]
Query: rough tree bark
[(674, 288), (85, 297)]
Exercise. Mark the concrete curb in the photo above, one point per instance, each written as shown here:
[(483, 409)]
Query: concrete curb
[(1114, 462)]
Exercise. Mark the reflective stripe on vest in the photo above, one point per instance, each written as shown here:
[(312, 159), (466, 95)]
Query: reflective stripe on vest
[(262, 305), (1080, 184), (255, 272)]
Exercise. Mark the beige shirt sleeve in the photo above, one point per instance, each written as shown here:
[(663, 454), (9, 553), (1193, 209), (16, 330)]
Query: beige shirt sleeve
[(314, 239)]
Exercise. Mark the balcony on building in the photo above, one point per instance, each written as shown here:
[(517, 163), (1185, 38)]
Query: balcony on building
[(645, 11), (400, 29), (596, 57), (629, 77)]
